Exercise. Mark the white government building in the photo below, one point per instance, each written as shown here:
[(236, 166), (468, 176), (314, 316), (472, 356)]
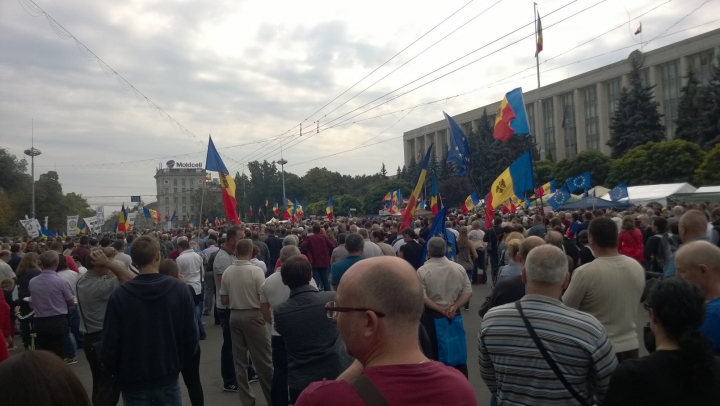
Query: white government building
[(588, 101)]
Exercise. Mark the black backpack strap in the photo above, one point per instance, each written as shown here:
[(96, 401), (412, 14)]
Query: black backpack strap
[(368, 392), (548, 358)]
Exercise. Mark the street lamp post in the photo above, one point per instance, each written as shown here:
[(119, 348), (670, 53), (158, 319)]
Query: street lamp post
[(32, 153), (282, 163)]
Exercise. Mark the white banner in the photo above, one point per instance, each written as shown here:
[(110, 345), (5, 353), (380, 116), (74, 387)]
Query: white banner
[(72, 223), (92, 225), (31, 226), (131, 219), (100, 215), (46, 221)]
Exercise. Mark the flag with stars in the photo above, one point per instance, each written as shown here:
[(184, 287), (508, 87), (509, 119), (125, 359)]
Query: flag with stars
[(459, 152), (559, 198), (580, 182), (619, 192), (438, 230)]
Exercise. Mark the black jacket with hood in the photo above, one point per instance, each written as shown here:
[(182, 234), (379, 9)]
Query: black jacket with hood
[(150, 330)]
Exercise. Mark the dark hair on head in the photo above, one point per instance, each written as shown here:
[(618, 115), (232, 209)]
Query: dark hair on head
[(341, 238), (604, 232), (40, 378), (409, 232), (507, 230), (231, 233), (56, 246), (184, 244), (143, 250), (378, 234), (354, 242), (316, 228), (661, 224), (15, 248), (679, 306), (674, 227), (130, 238), (210, 242), (497, 221), (169, 268), (62, 263), (587, 216), (84, 240), (119, 245), (296, 272), (105, 242)]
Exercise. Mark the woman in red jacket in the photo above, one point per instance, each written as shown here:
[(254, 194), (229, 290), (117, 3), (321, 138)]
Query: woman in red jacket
[(630, 240)]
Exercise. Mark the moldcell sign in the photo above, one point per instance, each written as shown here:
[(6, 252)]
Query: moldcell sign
[(172, 164)]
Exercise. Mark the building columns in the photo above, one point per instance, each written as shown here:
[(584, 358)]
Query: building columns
[(580, 135)]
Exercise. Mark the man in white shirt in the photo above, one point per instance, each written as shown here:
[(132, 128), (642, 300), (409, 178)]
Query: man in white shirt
[(371, 249), (190, 265), (240, 292)]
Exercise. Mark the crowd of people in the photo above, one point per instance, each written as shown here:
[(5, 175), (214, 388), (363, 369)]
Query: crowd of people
[(370, 313)]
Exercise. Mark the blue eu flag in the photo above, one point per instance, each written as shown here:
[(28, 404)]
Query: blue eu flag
[(619, 192), (459, 152), (580, 182), (438, 230), (559, 198)]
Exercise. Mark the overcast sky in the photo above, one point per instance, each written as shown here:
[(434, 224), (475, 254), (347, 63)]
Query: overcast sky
[(248, 71)]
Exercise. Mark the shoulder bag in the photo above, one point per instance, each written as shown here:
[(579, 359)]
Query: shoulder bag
[(548, 358), (368, 392)]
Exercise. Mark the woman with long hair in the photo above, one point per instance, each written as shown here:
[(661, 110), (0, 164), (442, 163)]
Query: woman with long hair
[(513, 267), (191, 369), (683, 369), (630, 240), (466, 256), (28, 268)]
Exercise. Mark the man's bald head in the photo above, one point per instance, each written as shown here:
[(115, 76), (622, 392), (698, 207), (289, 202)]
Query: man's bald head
[(554, 238), (528, 244), (692, 225), (387, 284), (699, 262)]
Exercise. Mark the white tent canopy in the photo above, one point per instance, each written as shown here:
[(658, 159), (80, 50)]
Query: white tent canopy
[(642, 195), (703, 194)]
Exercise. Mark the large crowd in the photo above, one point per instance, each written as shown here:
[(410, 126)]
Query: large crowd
[(358, 311)]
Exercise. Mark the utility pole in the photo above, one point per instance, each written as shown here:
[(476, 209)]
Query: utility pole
[(32, 153)]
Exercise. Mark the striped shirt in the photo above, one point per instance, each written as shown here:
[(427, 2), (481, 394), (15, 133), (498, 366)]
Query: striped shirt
[(515, 371)]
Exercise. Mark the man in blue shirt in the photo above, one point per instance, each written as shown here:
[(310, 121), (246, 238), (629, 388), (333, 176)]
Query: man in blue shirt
[(354, 244), (699, 262)]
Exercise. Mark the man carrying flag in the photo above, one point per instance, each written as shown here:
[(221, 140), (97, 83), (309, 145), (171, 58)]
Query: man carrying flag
[(213, 162), (329, 209), (409, 212)]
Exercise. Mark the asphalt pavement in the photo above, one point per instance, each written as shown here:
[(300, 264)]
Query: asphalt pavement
[(210, 358)]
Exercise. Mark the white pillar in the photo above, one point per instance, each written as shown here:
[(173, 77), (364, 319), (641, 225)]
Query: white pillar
[(580, 136)]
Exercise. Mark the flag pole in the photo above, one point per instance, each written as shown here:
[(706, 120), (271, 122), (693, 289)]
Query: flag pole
[(537, 70)]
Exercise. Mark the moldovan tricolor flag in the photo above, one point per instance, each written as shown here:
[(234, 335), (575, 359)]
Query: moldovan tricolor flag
[(434, 195), (539, 46), (123, 221), (514, 181), (276, 209), (289, 208), (409, 212), (213, 162), (329, 209), (511, 117), (470, 203)]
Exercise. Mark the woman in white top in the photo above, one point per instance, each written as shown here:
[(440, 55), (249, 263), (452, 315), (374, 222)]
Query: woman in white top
[(257, 262)]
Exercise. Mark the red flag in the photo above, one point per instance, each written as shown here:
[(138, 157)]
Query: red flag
[(639, 30), (540, 192), (251, 212)]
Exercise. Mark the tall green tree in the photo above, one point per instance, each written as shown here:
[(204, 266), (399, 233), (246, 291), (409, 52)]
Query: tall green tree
[(709, 104), (372, 201), (383, 171), (657, 162), (596, 162), (708, 173), (636, 120), (689, 123)]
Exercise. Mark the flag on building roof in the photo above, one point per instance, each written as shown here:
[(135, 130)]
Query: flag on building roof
[(511, 117), (415, 195), (459, 152), (434, 195), (213, 162), (470, 202), (639, 29), (539, 46), (329, 209), (513, 181)]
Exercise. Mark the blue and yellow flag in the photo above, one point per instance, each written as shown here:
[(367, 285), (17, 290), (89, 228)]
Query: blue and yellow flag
[(438, 230), (513, 181), (511, 117), (213, 162), (409, 212), (329, 209)]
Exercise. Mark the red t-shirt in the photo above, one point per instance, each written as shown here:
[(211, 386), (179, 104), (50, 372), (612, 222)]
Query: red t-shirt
[(427, 384)]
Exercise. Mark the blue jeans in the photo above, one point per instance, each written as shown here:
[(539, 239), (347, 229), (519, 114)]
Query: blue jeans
[(320, 275), (75, 338), (227, 364), (198, 315), (167, 396)]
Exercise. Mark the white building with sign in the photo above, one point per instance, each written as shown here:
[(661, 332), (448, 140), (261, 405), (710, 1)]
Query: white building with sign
[(177, 186)]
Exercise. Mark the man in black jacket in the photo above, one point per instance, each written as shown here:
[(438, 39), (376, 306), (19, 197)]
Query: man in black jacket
[(274, 245), (149, 332), (492, 239)]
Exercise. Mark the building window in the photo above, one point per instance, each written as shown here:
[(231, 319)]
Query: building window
[(701, 65), (192, 208), (592, 133), (174, 182), (184, 209), (200, 181), (167, 190), (174, 190), (530, 110), (183, 182), (568, 125), (184, 200), (671, 95), (167, 200), (613, 94), (548, 129), (183, 190)]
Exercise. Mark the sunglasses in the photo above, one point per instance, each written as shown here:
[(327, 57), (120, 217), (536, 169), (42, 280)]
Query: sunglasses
[(331, 310)]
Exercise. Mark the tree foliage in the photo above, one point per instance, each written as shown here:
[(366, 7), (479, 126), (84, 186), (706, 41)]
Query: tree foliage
[(371, 201), (544, 171), (663, 162), (454, 191), (594, 161), (636, 120), (708, 173), (689, 126)]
